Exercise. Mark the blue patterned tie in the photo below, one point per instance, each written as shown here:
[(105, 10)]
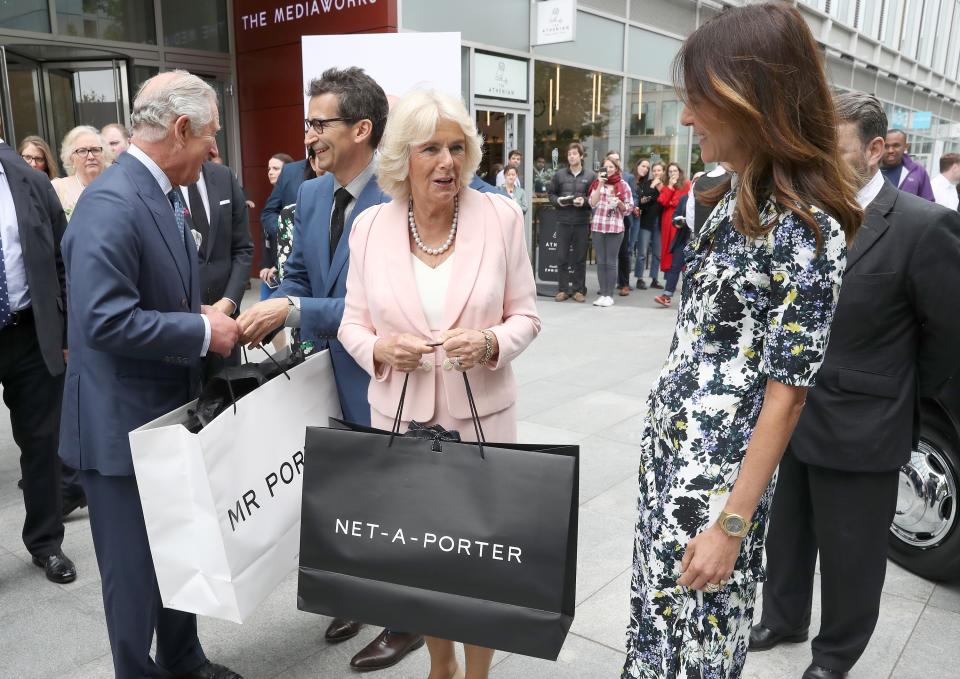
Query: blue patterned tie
[(176, 201), (4, 295)]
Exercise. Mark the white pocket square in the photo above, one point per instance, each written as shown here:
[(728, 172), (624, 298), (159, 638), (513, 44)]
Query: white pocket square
[(225, 202)]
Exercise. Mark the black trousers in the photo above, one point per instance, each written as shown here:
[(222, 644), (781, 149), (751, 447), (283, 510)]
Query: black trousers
[(846, 516), (623, 258), (131, 599), (33, 397), (572, 257)]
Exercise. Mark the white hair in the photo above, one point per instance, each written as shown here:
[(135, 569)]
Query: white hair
[(69, 145), (184, 94), (413, 120)]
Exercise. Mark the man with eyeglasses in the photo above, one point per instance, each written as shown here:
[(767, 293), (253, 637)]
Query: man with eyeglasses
[(32, 351), (347, 113)]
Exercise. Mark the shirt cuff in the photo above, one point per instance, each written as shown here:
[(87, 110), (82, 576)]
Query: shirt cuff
[(293, 314), (206, 335)]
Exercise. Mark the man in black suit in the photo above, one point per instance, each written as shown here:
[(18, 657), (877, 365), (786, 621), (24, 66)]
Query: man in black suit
[(218, 212), (894, 338), (32, 352)]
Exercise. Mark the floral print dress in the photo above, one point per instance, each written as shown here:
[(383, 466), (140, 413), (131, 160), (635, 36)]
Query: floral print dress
[(751, 309)]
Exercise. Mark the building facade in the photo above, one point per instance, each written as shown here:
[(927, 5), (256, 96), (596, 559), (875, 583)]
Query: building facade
[(67, 62)]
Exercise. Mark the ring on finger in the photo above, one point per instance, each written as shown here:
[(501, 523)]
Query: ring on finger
[(456, 363), (711, 588)]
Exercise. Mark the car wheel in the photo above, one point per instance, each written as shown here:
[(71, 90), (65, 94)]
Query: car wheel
[(924, 537)]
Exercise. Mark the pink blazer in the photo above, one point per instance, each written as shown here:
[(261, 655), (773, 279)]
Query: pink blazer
[(491, 287)]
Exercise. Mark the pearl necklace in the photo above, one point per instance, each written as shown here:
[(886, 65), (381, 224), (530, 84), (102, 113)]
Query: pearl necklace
[(416, 235)]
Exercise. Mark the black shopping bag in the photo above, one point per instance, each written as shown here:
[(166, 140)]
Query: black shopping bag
[(427, 535)]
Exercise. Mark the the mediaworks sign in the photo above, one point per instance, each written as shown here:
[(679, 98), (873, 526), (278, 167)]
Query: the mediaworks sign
[(499, 77)]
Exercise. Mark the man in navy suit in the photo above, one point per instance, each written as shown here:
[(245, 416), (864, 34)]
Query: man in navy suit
[(346, 117), (137, 331)]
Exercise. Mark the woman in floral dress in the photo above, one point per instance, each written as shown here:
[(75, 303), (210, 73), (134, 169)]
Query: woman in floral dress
[(761, 286)]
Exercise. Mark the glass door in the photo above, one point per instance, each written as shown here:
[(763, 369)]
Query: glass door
[(21, 108), (502, 132), (48, 99), (84, 93)]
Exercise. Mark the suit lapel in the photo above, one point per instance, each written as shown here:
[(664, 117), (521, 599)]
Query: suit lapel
[(159, 206), (321, 230), (392, 237), (874, 224), (369, 196), (26, 208), (468, 253), (214, 193)]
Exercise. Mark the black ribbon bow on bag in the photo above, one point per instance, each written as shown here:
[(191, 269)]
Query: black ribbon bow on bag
[(435, 432)]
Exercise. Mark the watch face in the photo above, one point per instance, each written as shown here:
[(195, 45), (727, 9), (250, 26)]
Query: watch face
[(733, 525)]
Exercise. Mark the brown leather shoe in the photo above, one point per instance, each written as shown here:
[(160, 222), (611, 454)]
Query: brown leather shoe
[(625, 290), (386, 650), (341, 630), (579, 297), (562, 297)]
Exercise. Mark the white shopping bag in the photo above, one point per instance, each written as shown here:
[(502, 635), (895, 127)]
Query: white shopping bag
[(222, 507)]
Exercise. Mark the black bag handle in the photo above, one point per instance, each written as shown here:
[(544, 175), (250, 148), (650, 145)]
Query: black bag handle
[(474, 414)]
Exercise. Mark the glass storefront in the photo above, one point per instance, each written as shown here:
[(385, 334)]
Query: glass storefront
[(575, 104)]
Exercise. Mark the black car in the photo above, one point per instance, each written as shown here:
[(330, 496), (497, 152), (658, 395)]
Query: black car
[(925, 536)]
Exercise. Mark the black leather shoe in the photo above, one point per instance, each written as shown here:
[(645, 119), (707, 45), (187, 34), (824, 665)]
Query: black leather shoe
[(641, 285), (210, 670), (817, 672), (655, 285), (763, 638), (71, 505), (20, 484), (341, 630), (58, 568), (386, 650)]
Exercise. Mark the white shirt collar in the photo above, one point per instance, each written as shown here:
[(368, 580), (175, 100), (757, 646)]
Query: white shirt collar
[(162, 179), (866, 195)]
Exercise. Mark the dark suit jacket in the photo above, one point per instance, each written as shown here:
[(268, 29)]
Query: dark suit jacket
[(133, 323), (41, 224), (321, 284), (228, 252), (895, 335), (284, 193)]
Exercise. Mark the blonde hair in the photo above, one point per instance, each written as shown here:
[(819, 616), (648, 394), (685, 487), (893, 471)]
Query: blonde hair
[(413, 120), (69, 145)]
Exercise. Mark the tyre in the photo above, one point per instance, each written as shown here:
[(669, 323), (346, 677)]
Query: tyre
[(924, 536)]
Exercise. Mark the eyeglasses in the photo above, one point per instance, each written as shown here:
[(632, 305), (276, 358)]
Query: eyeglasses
[(319, 124), (34, 159), (93, 150)]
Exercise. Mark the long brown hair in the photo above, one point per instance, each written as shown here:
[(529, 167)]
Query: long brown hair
[(53, 170), (758, 69)]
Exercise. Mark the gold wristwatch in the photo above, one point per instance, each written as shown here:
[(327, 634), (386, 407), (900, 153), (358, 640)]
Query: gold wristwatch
[(733, 525)]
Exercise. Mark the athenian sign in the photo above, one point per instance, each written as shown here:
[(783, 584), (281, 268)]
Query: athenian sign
[(556, 21), (500, 77)]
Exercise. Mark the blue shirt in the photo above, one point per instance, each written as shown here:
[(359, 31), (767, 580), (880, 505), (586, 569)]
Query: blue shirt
[(892, 174)]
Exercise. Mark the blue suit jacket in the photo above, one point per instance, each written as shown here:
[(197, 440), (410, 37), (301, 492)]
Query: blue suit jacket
[(133, 324), (321, 284)]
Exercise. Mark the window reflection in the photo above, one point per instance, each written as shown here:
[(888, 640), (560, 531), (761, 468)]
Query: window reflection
[(121, 20), (25, 15), (654, 127), (575, 104)]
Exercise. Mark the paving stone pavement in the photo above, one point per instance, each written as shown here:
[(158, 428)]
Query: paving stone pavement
[(584, 380)]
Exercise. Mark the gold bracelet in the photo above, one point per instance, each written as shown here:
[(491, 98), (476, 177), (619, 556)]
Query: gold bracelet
[(488, 353)]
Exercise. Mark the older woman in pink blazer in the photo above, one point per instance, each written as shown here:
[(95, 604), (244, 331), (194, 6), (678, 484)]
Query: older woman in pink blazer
[(439, 282)]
